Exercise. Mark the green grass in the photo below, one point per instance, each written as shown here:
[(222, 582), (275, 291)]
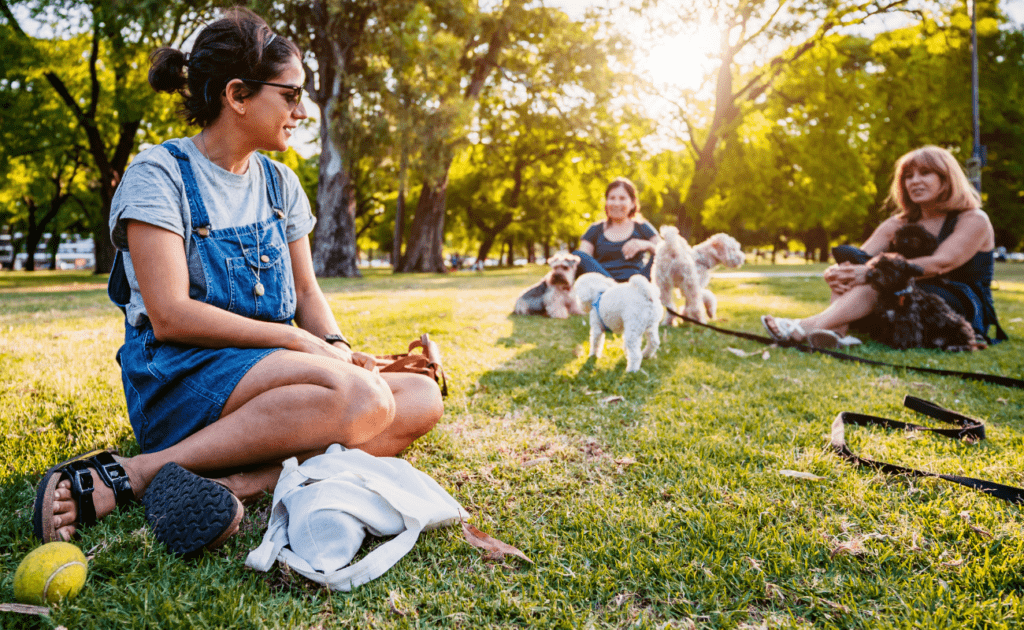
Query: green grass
[(701, 529)]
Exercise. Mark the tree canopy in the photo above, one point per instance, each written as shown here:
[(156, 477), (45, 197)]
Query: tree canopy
[(448, 126)]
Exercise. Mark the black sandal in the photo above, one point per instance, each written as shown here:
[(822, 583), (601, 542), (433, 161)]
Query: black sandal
[(190, 513), (110, 472)]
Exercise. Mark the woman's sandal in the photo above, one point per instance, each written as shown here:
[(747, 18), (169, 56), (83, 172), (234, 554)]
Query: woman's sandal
[(190, 513), (76, 469), (782, 329)]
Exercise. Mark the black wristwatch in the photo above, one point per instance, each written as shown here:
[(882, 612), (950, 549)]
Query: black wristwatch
[(338, 337)]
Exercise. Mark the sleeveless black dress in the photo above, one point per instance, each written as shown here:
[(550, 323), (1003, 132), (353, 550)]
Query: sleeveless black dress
[(967, 289)]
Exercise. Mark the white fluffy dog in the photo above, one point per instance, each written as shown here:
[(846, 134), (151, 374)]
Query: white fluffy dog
[(630, 309), (676, 264)]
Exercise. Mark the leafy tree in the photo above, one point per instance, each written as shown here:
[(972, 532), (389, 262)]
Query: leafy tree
[(745, 29), (107, 96), (483, 40), (545, 128)]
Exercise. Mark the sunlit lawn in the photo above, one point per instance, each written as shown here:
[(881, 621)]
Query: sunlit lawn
[(666, 509)]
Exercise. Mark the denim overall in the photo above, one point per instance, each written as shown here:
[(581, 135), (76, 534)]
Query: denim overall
[(174, 390)]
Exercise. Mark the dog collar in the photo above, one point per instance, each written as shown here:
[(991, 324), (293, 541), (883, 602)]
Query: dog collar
[(903, 293), (597, 309)]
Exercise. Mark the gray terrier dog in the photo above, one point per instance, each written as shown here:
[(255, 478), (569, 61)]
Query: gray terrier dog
[(553, 296), (676, 264)]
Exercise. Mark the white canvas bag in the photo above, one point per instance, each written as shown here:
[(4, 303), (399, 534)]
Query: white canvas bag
[(323, 509)]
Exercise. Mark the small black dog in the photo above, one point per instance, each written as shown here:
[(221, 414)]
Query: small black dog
[(907, 317), (913, 241)]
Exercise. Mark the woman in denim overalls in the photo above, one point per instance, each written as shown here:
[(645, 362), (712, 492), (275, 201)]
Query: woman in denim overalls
[(217, 379)]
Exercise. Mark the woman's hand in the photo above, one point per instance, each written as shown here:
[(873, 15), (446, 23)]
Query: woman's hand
[(634, 246), (844, 276)]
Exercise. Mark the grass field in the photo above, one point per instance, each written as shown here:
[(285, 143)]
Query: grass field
[(664, 510)]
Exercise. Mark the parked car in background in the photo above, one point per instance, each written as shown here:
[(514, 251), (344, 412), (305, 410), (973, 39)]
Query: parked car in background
[(6, 251), (77, 254), (74, 252)]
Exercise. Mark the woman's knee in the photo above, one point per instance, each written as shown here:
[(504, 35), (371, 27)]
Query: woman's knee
[(419, 403), (358, 407)]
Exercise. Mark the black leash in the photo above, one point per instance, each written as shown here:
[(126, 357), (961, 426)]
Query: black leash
[(969, 428), (995, 379)]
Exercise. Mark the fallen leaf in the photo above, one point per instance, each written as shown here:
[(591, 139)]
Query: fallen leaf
[(981, 531), (621, 598), (613, 399), (1002, 400), (495, 548), (800, 475), (535, 462), (765, 355), (913, 543), (754, 564), (625, 461), (738, 352), (774, 592), (852, 547), (25, 609), (1016, 320), (834, 605), (392, 603), (952, 563)]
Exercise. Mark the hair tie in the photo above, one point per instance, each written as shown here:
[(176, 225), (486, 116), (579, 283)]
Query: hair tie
[(270, 41)]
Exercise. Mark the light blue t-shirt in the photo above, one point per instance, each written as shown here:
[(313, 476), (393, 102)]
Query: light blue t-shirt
[(152, 191)]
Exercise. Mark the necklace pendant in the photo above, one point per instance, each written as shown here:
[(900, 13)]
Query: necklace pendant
[(258, 289)]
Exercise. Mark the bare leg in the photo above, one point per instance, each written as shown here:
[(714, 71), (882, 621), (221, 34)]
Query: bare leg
[(290, 404), (846, 308)]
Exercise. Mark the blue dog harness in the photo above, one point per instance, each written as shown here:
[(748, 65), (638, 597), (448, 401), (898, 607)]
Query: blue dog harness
[(597, 311)]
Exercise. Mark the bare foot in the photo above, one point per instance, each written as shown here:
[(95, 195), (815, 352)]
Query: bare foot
[(250, 485), (65, 513)]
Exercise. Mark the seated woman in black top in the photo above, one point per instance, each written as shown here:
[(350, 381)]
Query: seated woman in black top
[(615, 247), (929, 189)]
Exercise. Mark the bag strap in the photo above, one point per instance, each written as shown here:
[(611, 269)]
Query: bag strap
[(995, 379), (970, 428), (428, 363)]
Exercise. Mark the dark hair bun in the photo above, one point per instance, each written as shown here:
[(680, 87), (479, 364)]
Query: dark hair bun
[(167, 70)]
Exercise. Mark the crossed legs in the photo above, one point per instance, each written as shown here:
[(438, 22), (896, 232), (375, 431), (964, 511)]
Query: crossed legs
[(290, 404)]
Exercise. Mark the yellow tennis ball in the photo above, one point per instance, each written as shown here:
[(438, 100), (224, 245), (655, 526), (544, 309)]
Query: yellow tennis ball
[(50, 573)]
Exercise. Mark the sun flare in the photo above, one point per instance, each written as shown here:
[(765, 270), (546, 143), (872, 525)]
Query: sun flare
[(682, 61)]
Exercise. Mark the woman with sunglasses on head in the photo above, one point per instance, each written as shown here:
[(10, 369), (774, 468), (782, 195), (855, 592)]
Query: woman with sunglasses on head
[(213, 267)]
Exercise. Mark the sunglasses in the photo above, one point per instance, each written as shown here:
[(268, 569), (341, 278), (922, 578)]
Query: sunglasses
[(292, 99)]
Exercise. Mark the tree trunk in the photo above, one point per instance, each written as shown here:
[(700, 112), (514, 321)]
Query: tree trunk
[(424, 251), (334, 245), (396, 243)]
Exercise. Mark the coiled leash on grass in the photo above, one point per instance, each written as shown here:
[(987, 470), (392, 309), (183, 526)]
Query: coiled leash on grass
[(969, 428), (995, 379)]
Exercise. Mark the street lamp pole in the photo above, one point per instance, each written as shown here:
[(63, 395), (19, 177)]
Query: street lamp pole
[(978, 155)]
